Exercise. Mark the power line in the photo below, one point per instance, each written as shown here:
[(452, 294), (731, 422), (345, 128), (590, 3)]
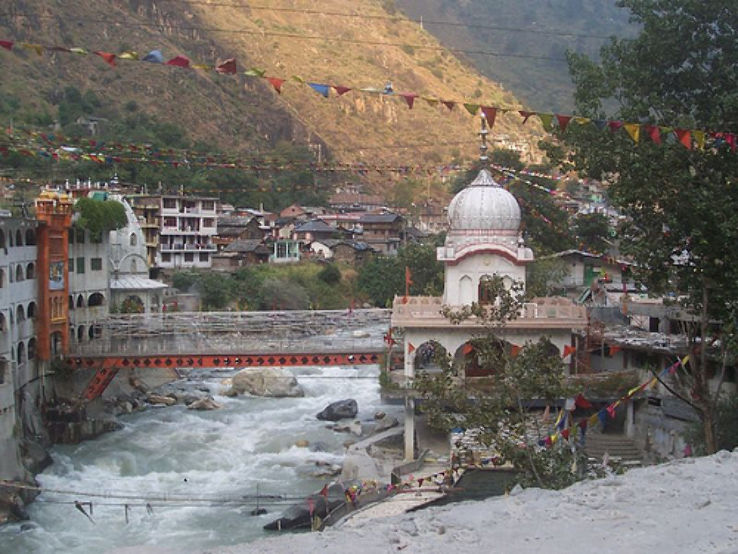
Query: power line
[(296, 36), (394, 18)]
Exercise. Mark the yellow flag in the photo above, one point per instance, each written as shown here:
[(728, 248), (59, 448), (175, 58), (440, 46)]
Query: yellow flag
[(35, 47), (634, 130), (78, 50), (699, 138), (581, 120), (128, 56), (432, 101), (201, 66), (546, 120)]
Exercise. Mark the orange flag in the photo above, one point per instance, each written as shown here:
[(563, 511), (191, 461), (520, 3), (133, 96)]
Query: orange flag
[(276, 82), (107, 56), (685, 137), (515, 350), (568, 349), (410, 348)]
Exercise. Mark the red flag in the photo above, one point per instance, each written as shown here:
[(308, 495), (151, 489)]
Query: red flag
[(409, 98), (515, 350), (615, 349), (107, 56), (227, 67), (324, 490), (410, 348), (179, 61), (654, 132), (408, 275), (276, 82), (526, 115), (449, 104), (565, 433), (685, 137), (490, 113), (341, 90), (7, 44), (467, 349), (568, 350), (563, 121), (614, 125)]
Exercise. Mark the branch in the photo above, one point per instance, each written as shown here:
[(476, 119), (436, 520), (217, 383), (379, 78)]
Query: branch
[(674, 392)]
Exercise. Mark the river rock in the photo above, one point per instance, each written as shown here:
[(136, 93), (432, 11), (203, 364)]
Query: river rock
[(353, 427), (339, 410), (207, 403), (158, 399), (387, 422), (267, 381), (302, 443)]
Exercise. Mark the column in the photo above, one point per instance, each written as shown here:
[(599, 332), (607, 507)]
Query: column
[(409, 433)]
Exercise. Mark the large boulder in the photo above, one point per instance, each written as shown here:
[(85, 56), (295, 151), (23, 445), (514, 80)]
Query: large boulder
[(339, 410), (266, 381), (384, 423), (202, 404)]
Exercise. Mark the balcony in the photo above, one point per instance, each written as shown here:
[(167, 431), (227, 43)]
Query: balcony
[(187, 247)]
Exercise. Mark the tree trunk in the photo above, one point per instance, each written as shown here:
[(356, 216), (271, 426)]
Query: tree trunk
[(708, 424)]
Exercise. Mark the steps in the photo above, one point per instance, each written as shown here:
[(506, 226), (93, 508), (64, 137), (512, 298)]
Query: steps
[(617, 447)]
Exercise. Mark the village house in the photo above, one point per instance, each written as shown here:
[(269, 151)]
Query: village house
[(347, 251), (236, 227), (242, 252), (383, 231)]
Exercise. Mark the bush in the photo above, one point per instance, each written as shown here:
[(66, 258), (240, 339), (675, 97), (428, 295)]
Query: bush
[(330, 274)]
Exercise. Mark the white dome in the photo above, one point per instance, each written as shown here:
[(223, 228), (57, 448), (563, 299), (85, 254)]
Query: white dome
[(485, 206)]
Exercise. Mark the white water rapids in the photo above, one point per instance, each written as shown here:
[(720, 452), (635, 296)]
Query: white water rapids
[(165, 454)]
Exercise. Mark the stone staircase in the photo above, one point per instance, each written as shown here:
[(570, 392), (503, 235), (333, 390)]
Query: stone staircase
[(617, 446)]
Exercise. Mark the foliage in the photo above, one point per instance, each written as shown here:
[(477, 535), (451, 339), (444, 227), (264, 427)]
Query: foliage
[(183, 280), (330, 274), (726, 427), (681, 205), (544, 276), (215, 293), (99, 216), (592, 232), (498, 407), (383, 277)]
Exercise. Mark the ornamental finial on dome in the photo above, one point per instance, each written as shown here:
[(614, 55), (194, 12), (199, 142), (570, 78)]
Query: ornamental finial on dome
[(484, 179)]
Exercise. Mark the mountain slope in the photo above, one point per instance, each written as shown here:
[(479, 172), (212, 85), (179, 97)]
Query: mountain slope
[(238, 113)]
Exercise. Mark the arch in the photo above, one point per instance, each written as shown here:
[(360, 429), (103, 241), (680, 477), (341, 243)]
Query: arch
[(31, 348), (55, 342), (2, 278), (466, 288), (71, 302), (2, 323), (31, 311), (30, 271), (485, 290), (18, 273), (95, 299), (430, 356), (80, 333), (2, 238), (133, 239), (18, 238), (134, 266), (19, 314), (132, 305), (80, 301), (91, 332), (481, 357), (30, 237), (20, 357)]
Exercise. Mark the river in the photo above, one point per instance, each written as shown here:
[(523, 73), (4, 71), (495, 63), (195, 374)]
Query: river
[(198, 471)]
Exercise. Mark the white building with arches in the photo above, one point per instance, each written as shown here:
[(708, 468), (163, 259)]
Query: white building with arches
[(483, 241)]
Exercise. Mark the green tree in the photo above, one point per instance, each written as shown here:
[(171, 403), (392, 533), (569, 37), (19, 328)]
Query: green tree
[(330, 274), (98, 216), (680, 205), (592, 232)]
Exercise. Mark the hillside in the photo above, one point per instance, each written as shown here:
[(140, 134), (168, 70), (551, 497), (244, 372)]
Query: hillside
[(531, 36), (236, 113)]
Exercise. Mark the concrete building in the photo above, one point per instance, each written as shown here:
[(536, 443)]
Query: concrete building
[(188, 225), (483, 241)]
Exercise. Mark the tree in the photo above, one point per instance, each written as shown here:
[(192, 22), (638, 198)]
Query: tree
[(680, 204), (498, 407), (593, 232), (98, 216)]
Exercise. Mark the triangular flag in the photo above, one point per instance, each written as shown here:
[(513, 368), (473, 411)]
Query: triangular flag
[(634, 130), (515, 350), (563, 121), (614, 349), (546, 413), (409, 98), (581, 402), (227, 67), (568, 349), (467, 348), (583, 424), (204, 66), (7, 44), (127, 55), (341, 90), (602, 415), (154, 56), (614, 125), (611, 410), (490, 114), (525, 115), (581, 120), (254, 72), (685, 137), (410, 348), (699, 138), (77, 50), (472, 108), (276, 82), (449, 104), (600, 123), (432, 101), (179, 61), (565, 433), (546, 120), (35, 47), (107, 56), (320, 89), (654, 133)]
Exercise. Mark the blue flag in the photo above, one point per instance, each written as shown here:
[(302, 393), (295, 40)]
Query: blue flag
[(154, 57), (320, 89)]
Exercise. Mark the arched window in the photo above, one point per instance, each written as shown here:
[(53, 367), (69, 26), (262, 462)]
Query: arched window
[(80, 333), (71, 302), (95, 299), (18, 273), (31, 349), (18, 238), (2, 278), (80, 301), (486, 292), (19, 314), (55, 341), (30, 271), (133, 239), (31, 311), (134, 266), (21, 356), (2, 322), (30, 237), (2, 239)]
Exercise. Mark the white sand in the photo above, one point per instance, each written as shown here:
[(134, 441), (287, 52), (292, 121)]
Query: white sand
[(690, 505)]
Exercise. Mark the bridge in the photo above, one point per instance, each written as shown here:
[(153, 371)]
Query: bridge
[(203, 340)]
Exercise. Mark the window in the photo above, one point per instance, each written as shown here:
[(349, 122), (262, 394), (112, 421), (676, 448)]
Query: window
[(30, 271), (166, 258), (96, 264), (71, 265), (170, 203), (80, 265), (204, 257), (189, 257), (95, 299), (30, 237), (133, 239), (80, 238), (208, 205), (208, 222), (18, 238), (18, 273), (134, 266)]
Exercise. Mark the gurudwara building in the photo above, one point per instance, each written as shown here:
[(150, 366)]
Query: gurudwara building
[(483, 241)]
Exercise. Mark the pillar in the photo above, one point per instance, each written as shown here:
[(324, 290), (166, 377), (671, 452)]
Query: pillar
[(409, 433)]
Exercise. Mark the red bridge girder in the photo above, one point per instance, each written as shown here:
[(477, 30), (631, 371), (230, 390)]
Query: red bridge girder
[(108, 366)]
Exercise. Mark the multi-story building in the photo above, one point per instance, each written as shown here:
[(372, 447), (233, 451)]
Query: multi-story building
[(148, 211), (188, 225)]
